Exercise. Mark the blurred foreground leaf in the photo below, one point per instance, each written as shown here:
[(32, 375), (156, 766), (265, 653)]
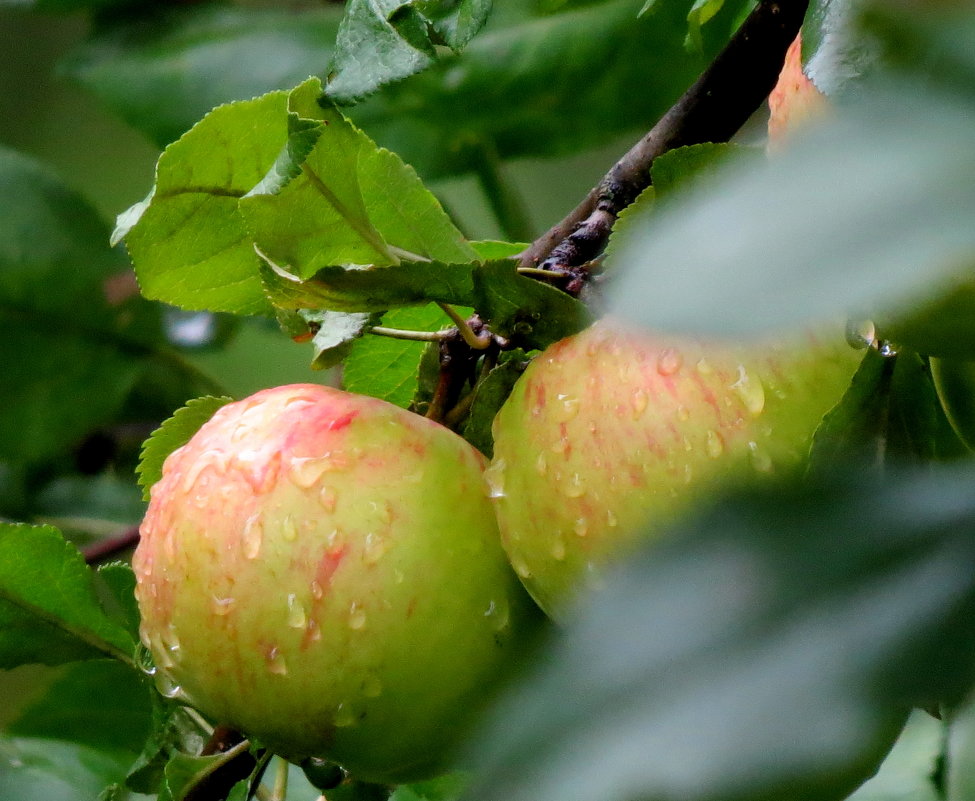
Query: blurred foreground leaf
[(769, 649)]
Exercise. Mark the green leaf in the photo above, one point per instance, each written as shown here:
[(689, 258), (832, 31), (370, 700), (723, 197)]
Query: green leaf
[(188, 242), (866, 215), (387, 368), (119, 579), (529, 312), (681, 167), (355, 207), (943, 327), (71, 319), (186, 775), (336, 333), (954, 380), (170, 733), (48, 770), (163, 69), (444, 788), (48, 609), (173, 434), (99, 704), (380, 41), (538, 86), (908, 771), (767, 649), (489, 395)]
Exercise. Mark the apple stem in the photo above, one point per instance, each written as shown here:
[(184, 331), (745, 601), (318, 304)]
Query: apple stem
[(280, 790), (716, 105), (476, 341)]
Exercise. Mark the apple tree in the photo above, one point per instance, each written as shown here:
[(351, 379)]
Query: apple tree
[(555, 400)]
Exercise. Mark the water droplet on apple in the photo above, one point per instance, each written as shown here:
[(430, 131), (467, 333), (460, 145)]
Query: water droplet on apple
[(669, 361), (581, 527), (374, 547), (575, 487), (357, 617), (327, 499), (167, 685), (289, 529), (683, 413), (143, 659), (372, 687), (688, 445), (314, 630), (887, 350), (761, 461), (494, 477), (521, 568), (541, 465), (382, 512), (640, 401), (169, 639), (568, 407), (704, 367), (560, 445), (276, 662), (221, 606), (611, 519), (344, 716), (253, 536), (306, 472), (715, 444), (750, 391), (498, 614), (296, 612), (316, 590), (860, 334), (558, 549)]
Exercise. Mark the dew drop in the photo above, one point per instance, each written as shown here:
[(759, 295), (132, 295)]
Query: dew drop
[(494, 476), (296, 612), (541, 464), (704, 367), (560, 445), (581, 527), (289, 529), (715, 444), (167, 685), (143, 658), (688, 445), (372, 687), (221, 606), (575, 487), (568, 407), (761, 461), (640, 401), (306, 472), (169, 639), (683, 413), (253, 536), (357, 617), (669, 361), (499, 614), (314, 631), (316, 590), (276, 663), (860, 334), (374, 548), (887, 350), (193, 473), (558, 549), (611, 520), (344, 716), (750, 390), (382, 511), (521, 568)]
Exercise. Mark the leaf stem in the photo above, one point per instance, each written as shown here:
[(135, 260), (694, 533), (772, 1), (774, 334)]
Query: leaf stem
[(716, 105), (508, 207), (475, 341), (402, 333), (538, 272)]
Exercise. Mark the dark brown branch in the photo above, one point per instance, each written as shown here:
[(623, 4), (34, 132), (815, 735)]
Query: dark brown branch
[(110, 547), (712, 110)]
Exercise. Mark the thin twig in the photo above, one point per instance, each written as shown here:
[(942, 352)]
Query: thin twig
[(415, 336), (104, 550), (712, 110), (475, 341)]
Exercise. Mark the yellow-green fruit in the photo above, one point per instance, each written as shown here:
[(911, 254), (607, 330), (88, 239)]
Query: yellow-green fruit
[(323, 571), (612, 433)]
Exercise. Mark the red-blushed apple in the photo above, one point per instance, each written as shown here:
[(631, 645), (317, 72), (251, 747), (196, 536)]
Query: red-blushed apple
[(794, 101), (323, 571), (612, 433)]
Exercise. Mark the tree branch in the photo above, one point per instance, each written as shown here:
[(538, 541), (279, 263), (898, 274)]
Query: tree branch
[(111, 547), (711, 110)]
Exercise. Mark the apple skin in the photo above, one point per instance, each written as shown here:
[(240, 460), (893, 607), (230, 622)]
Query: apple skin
[(794, 101), (323, 571), (611, 434)]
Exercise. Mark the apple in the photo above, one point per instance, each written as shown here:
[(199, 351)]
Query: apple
[(323, 571), (794, 101), (611, 434)]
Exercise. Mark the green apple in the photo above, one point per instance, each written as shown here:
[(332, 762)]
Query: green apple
[(323, 571), (611, 434)]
